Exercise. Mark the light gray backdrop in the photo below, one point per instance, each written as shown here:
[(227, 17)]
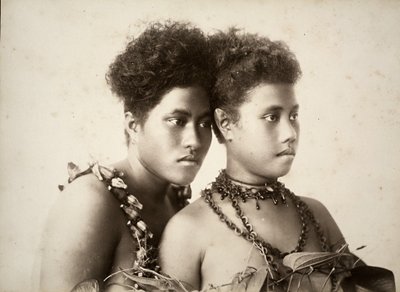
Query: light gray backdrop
[(56, 107)]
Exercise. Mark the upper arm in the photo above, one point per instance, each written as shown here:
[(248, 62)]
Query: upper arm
[(334, 235), (180, 249), (80, 237)]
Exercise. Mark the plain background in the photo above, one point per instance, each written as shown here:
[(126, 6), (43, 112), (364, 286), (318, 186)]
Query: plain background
[(56, 107)]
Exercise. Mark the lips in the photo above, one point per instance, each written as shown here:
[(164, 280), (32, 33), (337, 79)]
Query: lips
[(189, 158), (288, 151)]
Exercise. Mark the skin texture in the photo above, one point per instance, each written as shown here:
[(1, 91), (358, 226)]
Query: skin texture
[(267, 126), (197, 247), (86, 235), (172, 132)]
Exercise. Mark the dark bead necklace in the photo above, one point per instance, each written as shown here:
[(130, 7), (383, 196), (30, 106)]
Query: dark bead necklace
[(229, 188), (225, 186)]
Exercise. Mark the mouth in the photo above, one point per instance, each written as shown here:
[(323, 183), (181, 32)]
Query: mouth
[(190, 159), (287, 152)]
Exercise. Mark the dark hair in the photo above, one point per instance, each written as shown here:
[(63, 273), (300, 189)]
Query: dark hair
[(164, 56), (243, 62)]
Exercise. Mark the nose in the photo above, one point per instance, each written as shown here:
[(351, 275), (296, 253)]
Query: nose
[(192, 138), (288, 131)]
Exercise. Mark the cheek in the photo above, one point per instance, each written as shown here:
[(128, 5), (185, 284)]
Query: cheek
[(169, 144), (165, 136), (297, 129), (206, 138), (156, 143)]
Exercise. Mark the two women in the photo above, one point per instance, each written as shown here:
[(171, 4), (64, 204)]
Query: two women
[(245, 230), (111, 218)]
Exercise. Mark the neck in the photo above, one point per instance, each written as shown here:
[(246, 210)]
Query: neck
[(238, 174), (235, 189), (240, 182), (141, 179)]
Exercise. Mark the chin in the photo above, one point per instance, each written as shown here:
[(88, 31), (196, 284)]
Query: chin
[(183, 179), (182, 182), (278, 172), (284, 172)]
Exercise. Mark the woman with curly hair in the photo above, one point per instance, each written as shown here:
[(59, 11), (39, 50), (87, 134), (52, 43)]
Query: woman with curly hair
[(107, 223), (236, 236)]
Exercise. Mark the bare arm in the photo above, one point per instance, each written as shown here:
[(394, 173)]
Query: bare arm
[(331, 229), (180, 250), (81, 236), (335, 237)]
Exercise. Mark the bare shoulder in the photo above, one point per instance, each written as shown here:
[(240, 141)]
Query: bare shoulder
[(183, 243), (187, 219), (196, 209), (327, 222), (85, 199), (186, 227), (316, 206), (84, 215)]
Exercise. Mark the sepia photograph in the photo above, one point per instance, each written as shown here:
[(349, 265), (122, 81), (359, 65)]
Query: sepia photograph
[(199, 145)]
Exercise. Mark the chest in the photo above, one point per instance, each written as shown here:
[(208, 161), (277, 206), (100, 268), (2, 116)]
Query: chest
[(227, 253)]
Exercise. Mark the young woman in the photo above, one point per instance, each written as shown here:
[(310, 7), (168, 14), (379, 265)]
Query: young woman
[(246, 222), (111, 219)]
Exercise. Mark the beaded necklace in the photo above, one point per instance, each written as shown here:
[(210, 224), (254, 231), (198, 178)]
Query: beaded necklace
[(146, 254), (146, 250), (226, 187), (248, 191)]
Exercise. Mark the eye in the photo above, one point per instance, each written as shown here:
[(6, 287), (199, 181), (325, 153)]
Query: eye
[(205, 124), (271, 118), (177, 122), (294, 116)]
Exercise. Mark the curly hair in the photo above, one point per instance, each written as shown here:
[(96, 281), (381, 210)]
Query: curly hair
[(164, 56), (244, 61)]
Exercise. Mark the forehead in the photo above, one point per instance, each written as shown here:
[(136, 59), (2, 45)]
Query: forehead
[(193, 99), (267, 95)]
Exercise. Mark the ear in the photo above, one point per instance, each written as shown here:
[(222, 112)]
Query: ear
[(224, 123), (131, 126)]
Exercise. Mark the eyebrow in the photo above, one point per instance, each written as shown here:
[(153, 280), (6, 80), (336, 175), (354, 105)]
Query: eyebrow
[(188, 113), (182, 112), (279, 108)]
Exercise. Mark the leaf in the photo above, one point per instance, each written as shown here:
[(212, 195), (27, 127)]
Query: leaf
[(117, 182), (106, 172), (239, 287), (249, 280), (73, 170), (257, 280), (300, 260), (369, 278), (162, 284), (96, 170)]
